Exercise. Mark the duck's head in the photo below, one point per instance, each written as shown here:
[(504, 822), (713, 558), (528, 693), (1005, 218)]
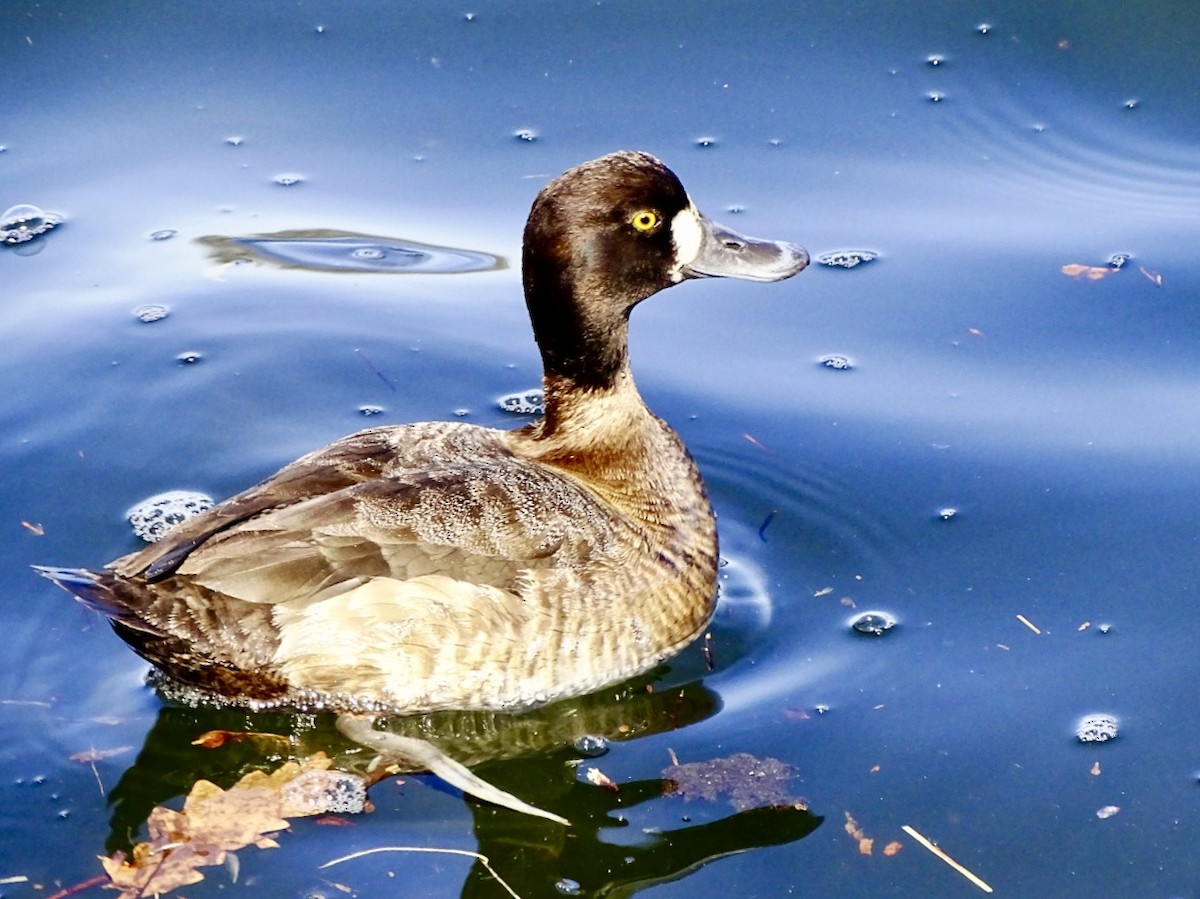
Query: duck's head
[(609, 233)]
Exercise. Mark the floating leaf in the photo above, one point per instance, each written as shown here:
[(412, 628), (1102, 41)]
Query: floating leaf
[(212, 739), (212, 824), (893, 848), (745, 781)]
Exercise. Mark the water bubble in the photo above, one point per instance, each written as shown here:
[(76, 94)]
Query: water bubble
[(568, 887), (1132, 103), (189, 357), (320, 29), (873, 624), (591, 747), (935, 59), (164, 234), (155, 515), (234, 140), (983, 28), (526, 402), (468, 17), (525, 135), (288, 179), (705, 141), (946, 513), (64, 813), (775, 142), (935, 96), (24, 222), (368, 411), (838, 363), (1096, 728), (151, 312), (847, 258), (369, 253), (1118, 260), (736, 209), (462, 413)]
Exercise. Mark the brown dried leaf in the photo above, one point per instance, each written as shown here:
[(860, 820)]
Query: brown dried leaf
[(212, 739), (893, 848), (213, 823)]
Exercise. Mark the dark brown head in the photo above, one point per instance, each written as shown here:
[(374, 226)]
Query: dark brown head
[(609, 233)]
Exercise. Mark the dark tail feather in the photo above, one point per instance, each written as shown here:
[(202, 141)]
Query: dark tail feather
[(96, 590)]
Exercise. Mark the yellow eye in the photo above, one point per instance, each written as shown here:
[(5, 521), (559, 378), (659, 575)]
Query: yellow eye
[(645, 220)]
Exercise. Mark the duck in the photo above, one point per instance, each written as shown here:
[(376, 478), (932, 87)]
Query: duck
[(445, 565)]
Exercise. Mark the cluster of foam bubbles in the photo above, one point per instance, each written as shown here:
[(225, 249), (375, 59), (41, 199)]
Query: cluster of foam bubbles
[(151, 312), (847, 258), (524, 402), (24, 222), (154, 516), (836, 362), (1096, 728), (326, 792)]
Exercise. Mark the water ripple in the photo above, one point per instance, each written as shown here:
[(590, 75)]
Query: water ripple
[(328, 250)]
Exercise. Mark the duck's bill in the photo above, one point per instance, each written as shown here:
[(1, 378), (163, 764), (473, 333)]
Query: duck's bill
[(723, 253)]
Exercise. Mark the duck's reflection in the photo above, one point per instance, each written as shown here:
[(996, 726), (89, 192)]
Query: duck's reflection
[(528, 754)]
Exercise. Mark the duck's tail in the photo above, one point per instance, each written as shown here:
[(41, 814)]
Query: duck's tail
[(95, 589)]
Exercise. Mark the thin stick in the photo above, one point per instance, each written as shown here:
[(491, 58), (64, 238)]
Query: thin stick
[(947, 859), (1029, 624), (482, 859)]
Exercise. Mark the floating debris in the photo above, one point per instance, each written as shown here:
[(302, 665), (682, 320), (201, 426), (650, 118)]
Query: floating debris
[(368, 411), (24, 222), (1118, 260), (873, 624), (847, 258), (526, 402), (745, 781), (328, 250), (1107, 811), (288, 179), (154, 516), (1096, 729), (163, 234)]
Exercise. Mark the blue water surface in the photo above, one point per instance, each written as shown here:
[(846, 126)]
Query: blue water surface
[(1008, 439)]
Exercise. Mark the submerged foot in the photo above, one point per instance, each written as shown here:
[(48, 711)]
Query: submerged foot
[(423, 755)]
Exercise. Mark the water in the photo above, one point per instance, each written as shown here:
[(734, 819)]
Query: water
[(1054, 416)]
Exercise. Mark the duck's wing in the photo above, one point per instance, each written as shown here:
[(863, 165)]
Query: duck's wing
[(352, 460), (478, 524)]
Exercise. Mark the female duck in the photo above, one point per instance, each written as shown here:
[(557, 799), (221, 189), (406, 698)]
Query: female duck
[(445, 565)]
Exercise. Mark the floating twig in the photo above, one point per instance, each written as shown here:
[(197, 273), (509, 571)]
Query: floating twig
[(947, 859), (482, 859), (1029, 624)]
